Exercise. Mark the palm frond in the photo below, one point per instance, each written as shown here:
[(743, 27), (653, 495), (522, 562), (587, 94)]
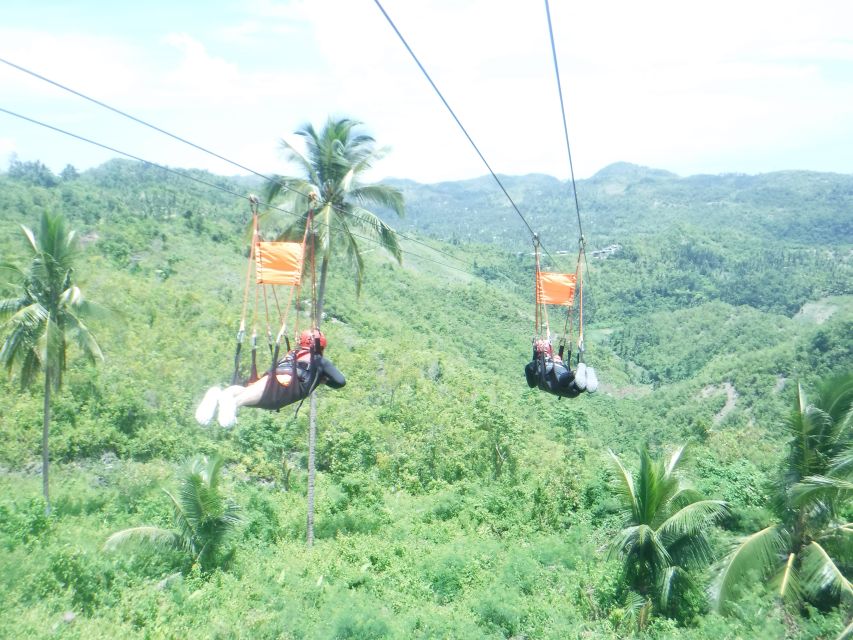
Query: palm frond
[(684, 496), (32, 315), (757, 553), (668, 579), (820, 573), (83, 337), (625, 486), (9, 306), (190, 496), (382, 195), (640, 541), (213, 470), (354, 253), (821, 488), (835, 396), (789, 580), (186, 529), (376, 227), (692, 519), (31, 238), (292, 193), (842, 463), (30, 367), (17, 343), (13, 271), (690, 552), (674, 459)]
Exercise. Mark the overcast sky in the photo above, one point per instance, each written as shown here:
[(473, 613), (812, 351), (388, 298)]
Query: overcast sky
[(691, 87)]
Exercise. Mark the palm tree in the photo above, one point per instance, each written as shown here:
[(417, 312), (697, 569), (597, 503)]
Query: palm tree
[(44, 316), (664, 526), (334, 160), (798, 550), (203, 518)]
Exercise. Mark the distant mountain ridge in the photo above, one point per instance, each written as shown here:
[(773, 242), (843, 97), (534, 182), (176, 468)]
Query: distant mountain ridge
[(624, 199)]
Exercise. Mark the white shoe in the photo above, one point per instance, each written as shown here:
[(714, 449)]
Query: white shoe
[(580, 377), (227, 410), (591, 380), (205, 411)]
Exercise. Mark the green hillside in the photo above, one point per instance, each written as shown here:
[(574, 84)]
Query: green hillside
[(453, 501)]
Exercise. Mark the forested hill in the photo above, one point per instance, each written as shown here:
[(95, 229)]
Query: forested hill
[(452, 501), (623, 201), (772, 241)]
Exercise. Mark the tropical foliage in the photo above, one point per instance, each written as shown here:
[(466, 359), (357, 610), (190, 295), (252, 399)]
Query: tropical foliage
[(46, 314), (665, 525), (203, 518), (808, 549), (333, 164), (451, 501)]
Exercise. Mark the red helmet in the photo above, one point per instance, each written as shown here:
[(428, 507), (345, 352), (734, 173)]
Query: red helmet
[(306, 338)]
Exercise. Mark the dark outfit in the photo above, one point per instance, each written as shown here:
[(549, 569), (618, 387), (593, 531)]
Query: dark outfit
[(326, 372), (312, 370), (550, 375)]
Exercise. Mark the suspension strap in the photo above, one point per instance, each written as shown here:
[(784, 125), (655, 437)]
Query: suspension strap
[(241, 331), (283, 329), (253, 201), (541, 309), (581, 259)]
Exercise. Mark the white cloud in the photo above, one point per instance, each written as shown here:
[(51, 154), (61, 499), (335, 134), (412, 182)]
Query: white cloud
[(80, 61), (7, 151), (668, 83)]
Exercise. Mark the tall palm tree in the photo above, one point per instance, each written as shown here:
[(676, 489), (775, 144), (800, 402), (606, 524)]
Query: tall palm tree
[(46, 314), (333, 162), (664, 526), (802, 550), (203, 517)]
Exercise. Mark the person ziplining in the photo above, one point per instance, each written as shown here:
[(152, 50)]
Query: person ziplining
[(548, 370), (295, 376)]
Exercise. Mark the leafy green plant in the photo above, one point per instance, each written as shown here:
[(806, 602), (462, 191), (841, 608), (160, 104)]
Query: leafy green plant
[(203, 518), (665, 526), (796, 551), (44, 316)]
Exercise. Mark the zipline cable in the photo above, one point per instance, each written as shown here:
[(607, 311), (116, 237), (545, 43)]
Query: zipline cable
[(215, 186), (566, 134), (458, 122), (201, 148)]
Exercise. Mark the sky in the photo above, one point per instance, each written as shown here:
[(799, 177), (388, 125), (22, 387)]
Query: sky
[(751, 86)]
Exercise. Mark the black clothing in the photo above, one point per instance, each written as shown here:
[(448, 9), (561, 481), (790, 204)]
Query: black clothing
[(308, 376), (327, 373), (550, 375)]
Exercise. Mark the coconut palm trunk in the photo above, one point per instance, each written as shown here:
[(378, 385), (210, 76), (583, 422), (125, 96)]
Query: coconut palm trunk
[(312, 420), (45, 453)]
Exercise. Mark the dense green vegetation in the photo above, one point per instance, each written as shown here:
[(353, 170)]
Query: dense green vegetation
[(452, 501)]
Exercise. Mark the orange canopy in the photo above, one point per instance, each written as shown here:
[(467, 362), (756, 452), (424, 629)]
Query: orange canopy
[(555, 288), (279, 263)]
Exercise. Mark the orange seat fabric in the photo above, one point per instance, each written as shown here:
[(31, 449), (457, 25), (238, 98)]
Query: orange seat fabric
[(555, 288), (279, 263)]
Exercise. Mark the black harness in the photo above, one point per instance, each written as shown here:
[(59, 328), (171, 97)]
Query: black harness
[(277, 395), (549, 382)]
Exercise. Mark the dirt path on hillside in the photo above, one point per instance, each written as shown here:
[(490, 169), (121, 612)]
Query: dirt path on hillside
[(731, 400)]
